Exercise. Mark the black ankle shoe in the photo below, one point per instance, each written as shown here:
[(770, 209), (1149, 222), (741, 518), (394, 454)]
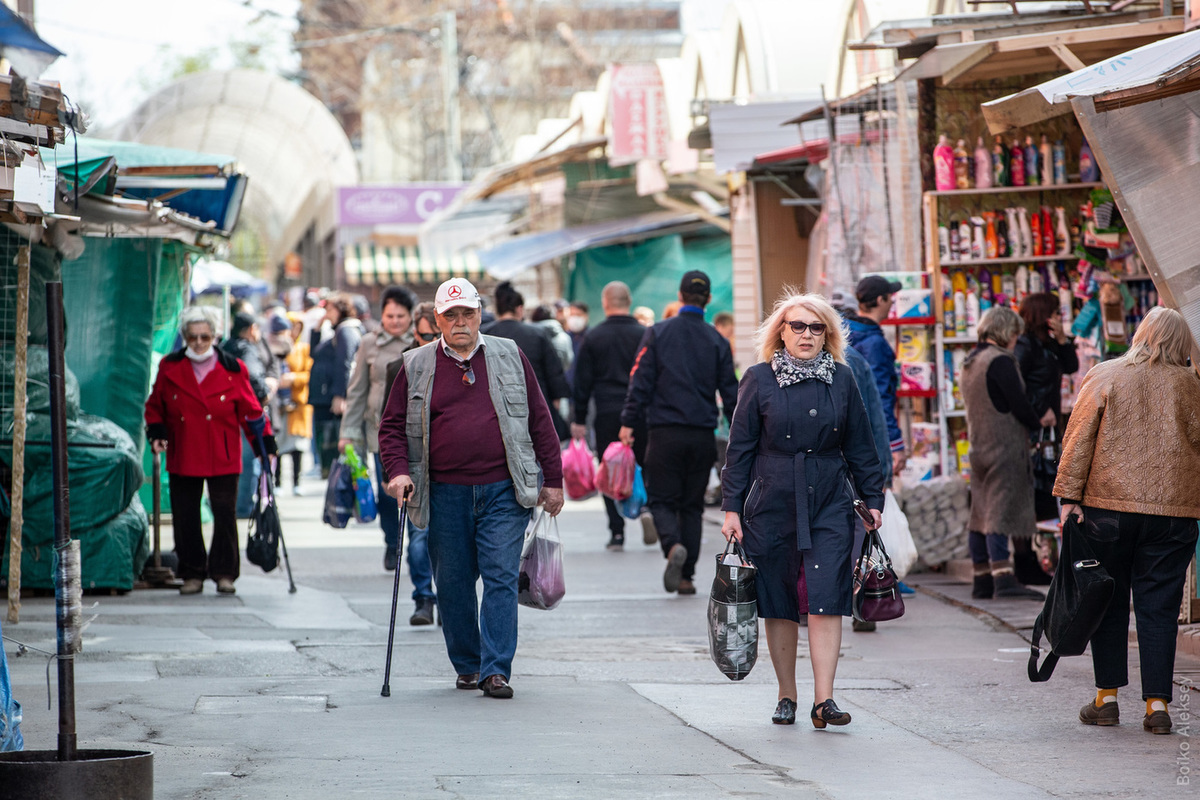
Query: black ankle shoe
[(785, 712), (828, 713), (984, 587)]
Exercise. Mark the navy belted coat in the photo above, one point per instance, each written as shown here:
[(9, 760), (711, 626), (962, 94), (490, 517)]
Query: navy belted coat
[(790, 452)]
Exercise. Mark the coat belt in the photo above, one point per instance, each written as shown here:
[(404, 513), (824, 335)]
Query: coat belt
[(800, 489)]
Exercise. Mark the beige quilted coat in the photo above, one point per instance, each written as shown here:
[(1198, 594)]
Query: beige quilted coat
[(1133, 441)]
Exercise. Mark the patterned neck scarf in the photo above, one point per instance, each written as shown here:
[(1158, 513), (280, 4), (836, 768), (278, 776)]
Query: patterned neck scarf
[(789, 369)]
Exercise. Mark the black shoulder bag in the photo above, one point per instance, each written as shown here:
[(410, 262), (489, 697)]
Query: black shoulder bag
[(1075, 603)]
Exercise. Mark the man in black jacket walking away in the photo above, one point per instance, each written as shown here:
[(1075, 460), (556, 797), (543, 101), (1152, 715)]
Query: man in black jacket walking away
[(602, 374), (681, 365), (538, 347)]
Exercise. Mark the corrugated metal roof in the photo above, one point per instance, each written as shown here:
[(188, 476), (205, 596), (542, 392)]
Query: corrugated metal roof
[(742, 131)]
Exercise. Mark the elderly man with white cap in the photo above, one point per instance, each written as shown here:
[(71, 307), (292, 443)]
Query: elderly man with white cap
[(467, 437)]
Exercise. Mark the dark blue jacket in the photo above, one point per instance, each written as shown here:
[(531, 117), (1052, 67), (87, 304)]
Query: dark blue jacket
[(870, 397), (333, 359), (867, 338), (681, 366)]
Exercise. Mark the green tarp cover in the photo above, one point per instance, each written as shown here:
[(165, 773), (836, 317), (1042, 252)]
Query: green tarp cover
[(652, 269)]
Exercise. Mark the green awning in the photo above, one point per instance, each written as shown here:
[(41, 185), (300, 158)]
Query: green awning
[(375, 265)]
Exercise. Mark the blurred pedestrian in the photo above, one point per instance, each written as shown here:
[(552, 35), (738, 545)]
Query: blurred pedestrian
[(543, 317), (201, 402), (1130, 470), (296, 430), (535, 343), (800, 420), (420, 572), (681, 366), (466, 437), (244, 343), (671, 309), (875, 295), (333, 361), (365, 398), (644, 315), (999, 420), (602, 374)]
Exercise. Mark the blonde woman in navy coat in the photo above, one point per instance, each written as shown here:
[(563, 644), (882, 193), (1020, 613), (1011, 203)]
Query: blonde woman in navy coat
[(799, 430)]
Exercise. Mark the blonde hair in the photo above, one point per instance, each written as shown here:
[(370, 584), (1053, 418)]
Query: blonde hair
[(1161, 338), (1000, 325), (769, 337)]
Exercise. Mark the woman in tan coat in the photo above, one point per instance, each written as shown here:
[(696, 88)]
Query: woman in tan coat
[(293, 386), (1130, 468), (999, 420)]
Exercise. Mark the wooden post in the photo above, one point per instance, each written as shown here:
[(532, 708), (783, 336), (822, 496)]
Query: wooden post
[(18, 438)]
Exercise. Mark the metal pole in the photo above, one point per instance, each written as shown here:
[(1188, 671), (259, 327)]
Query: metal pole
[(17, 494), (450, 96), (62, 520)]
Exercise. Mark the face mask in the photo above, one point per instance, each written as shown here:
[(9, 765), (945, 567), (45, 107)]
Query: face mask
[(576, 324), (198, 356)]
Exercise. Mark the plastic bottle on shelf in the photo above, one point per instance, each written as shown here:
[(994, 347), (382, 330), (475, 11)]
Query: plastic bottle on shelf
[(1046, 161), (1016, 163), (1026, 232), (985, 290), (978, 245), (1035, 231), (1008, 285), (962, 166), (1059, 154), (990, 240), (960, 313), (997, 285), (958, 356), (1088, 171), (1065, 308), (983, 166), (1031, 162), (1050, 277), (959, 282), (1001, 235), (1021, 284), (948, 387), (1013, 232), (943, 243), (1036, 282), (964, 240), (947, 306), (1048, 243), (952, 236), (1000, 175), (972, 314), (943, 164), (1062, 239)]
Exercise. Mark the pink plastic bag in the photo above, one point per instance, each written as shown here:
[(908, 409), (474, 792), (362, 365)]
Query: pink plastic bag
[(614, 476), (541, 584), (579, 470)]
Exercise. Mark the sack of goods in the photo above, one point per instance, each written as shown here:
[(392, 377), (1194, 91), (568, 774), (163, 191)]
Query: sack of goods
[(579, 470), (540, 583), (733, 614), (614, 476), (897, 537), (340, 496)]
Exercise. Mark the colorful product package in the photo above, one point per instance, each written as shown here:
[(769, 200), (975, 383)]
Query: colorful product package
[(916, 377), (913, 345), (925, 439), (919, 468), (909, 279), (913, 304)]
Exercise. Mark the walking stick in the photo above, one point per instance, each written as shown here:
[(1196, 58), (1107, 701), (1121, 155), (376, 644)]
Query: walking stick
[(156, 575), (387, 669)]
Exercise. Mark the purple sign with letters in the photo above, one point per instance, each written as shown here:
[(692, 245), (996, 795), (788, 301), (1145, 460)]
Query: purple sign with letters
[(402, 204)]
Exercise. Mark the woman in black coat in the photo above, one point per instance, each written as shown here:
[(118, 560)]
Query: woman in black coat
[(333, 361), (799, 432), (1044, 354)]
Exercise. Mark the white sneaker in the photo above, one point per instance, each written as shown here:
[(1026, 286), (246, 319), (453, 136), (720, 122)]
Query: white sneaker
[(296, 491)]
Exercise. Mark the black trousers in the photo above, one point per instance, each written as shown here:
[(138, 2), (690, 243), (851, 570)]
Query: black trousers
[(223, 559), (607, 425), (1147, 555), (679, 459)]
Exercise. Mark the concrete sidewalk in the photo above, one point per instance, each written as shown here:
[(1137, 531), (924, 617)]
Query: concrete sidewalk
[(271, 695)]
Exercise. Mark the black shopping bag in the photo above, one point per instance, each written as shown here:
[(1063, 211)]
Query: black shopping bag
[(733, 614), (1075, 603)]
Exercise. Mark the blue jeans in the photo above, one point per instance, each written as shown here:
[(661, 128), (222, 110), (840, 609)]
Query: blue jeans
[(419, 569), (389, 510), (248, 480), (986, 547), (474, 532)]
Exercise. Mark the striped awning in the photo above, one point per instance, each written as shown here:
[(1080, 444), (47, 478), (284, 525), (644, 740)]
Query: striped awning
[(375, 265)]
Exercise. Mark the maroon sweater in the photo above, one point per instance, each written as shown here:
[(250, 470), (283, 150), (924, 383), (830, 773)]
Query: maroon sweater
[(465, 445)]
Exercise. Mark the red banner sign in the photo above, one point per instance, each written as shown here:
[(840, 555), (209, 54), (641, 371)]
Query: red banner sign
[(638, 112)]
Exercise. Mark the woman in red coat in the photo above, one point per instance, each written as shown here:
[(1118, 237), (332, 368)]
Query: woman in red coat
[(200, 403)]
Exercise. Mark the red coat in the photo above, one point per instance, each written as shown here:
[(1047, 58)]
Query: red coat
[(201, 421)]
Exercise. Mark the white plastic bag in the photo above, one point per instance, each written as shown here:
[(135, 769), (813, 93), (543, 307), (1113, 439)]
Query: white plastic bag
[(540, 582), (897, 538)]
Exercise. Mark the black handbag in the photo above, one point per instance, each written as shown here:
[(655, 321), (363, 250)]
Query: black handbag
[(876, 595), (262, 547), (1045, 461), (1075, 602)]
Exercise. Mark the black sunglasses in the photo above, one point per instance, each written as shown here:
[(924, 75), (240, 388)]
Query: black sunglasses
[(428, 337), (817, 328)]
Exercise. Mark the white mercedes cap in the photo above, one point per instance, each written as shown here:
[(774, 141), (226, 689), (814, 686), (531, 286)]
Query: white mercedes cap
[(456, 292)]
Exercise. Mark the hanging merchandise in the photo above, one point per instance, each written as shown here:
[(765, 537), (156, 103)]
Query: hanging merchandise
[(983, 166), (962, 166)]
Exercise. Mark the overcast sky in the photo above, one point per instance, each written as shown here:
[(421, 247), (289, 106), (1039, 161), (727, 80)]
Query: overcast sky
[(117, 51)]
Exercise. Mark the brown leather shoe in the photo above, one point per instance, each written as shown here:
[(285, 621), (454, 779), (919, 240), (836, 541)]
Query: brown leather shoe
[(470, 681), (1104, 715), (673, 574), (192, 586), (225, 586), (496, 686), (686, 587), (1158, 722)]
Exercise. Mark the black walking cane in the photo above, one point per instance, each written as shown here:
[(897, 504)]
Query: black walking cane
[(387, 669)]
